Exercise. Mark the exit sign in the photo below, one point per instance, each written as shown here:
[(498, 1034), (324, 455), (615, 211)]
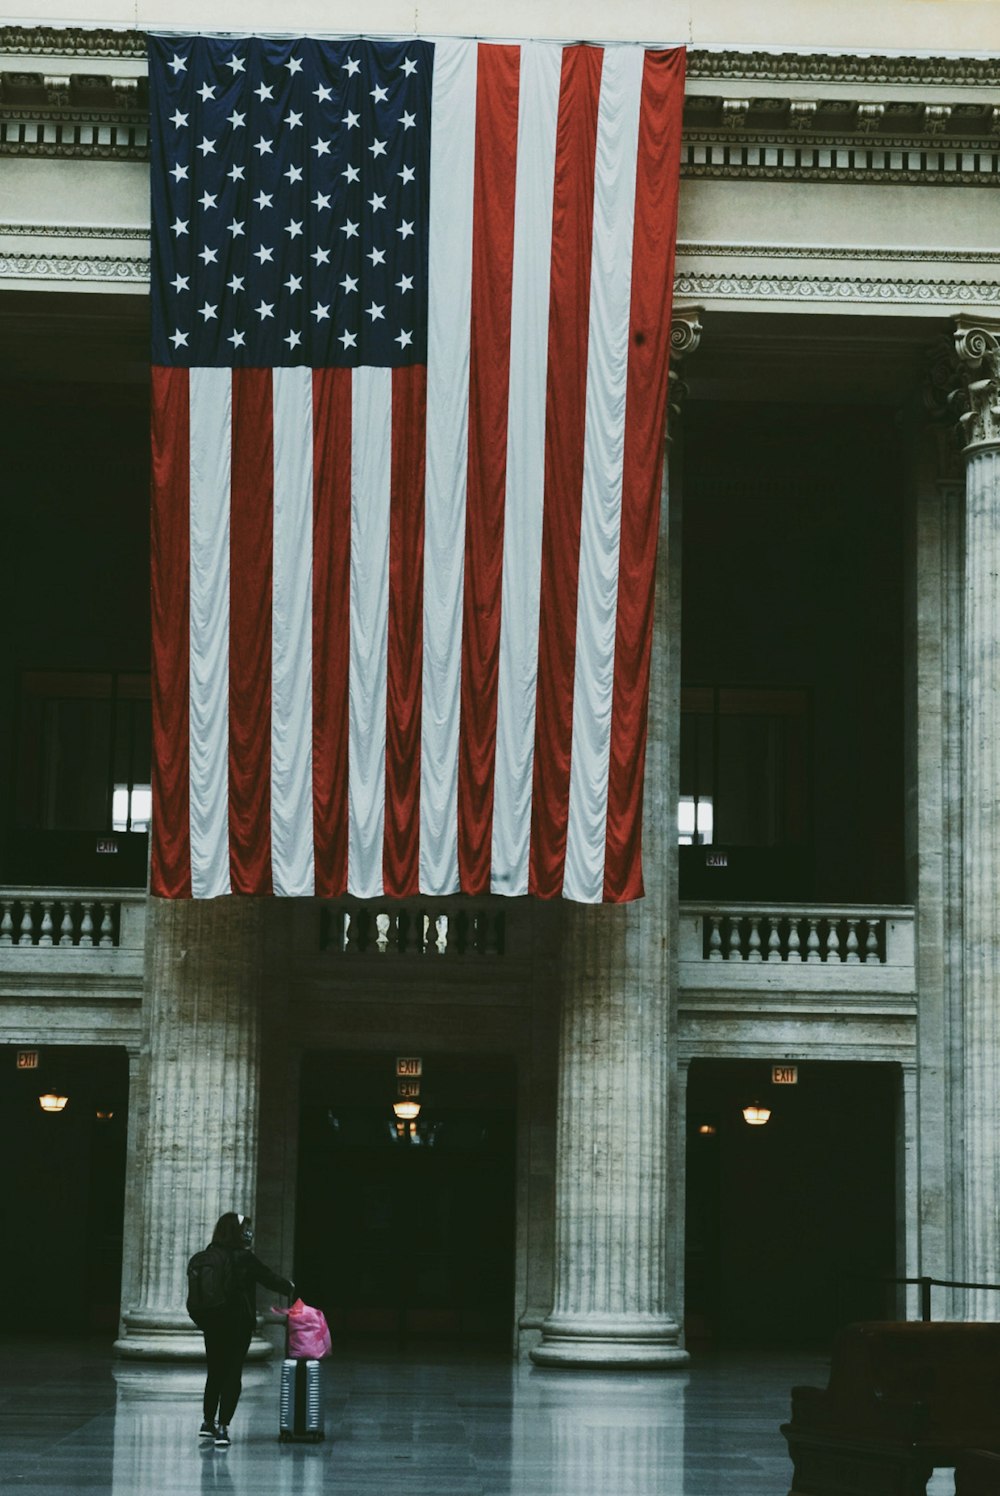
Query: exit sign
[(784, 1075), (27, 1059)]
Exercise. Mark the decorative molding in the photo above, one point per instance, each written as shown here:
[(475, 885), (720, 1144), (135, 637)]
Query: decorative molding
[(73, 231), (103, 268), (858, 291)]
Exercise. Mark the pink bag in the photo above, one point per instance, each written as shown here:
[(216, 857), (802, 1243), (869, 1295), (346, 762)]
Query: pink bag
[(308, 1332)]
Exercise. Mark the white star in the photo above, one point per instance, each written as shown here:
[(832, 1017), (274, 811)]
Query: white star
[(265, 310), (264, 92), (178, 64), (180, 282), (349, 284), (404, 340), (407, 174), (206, 311), (321, 201), (349, 339), (207, 92), (379, 93), (405, 283), (350, 229), (263, 254), (177, 119), (178, 172), (294, 65), (294, 339), (353, 66), (320, 312), (179, 226), (235, 174), (236, 229), (237, 64), (321, 256), (293, 228), (377, 256), (322, 93), (207, 200), (293, 283), (263, 147), (293, 120), (238, 339), (236, 119), (377, 148), (408, 121), (235, 284), (207, 146), (178, 339), (376, 203), (351, 119), (376, 312), (294, 174), (406, 229), (208, 256), (263, 199), (322, 148), (352, 173)]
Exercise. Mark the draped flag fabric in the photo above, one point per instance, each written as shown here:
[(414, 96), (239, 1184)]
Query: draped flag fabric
[(411, 313)]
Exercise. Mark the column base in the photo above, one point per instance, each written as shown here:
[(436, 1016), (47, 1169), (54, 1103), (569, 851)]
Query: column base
[(647, 1342), (166, 1337)]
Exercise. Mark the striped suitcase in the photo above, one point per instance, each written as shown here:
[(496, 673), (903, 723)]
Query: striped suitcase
[(301, 1407)]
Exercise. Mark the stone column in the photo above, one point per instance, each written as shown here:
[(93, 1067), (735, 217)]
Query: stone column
[(199, 1075), (611, 1300), (979, 350)]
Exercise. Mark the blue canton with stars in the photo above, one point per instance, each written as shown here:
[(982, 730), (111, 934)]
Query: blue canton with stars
[(290, 192)]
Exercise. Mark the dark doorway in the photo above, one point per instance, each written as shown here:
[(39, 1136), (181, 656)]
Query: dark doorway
[(790, 1225), (64, 1187), (406, 1227)]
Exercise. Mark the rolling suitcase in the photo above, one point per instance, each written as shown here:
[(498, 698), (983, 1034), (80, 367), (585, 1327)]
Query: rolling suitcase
[(301, 1407)]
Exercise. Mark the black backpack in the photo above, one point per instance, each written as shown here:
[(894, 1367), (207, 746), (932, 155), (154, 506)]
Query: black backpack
[(210, 1281)]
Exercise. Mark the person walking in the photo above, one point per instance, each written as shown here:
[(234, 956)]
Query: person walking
[(222, 1284)]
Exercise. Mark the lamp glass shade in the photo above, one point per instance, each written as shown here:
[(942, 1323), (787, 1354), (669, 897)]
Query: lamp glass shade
[(50, 1102)]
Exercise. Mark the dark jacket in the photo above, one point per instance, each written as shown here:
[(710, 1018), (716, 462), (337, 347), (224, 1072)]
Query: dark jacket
[(248, 1271)]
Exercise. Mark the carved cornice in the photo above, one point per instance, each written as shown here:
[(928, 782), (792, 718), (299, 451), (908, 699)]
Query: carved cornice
[(847, 291), (978, 351)]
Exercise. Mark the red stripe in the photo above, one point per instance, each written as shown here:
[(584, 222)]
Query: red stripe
[(251, 528), (569, 318), (489, 379), (331, 623), (656, 188), (170, 871), (401, 844)]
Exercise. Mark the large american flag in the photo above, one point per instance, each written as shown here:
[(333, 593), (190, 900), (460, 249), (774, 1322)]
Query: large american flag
[(411, 310)]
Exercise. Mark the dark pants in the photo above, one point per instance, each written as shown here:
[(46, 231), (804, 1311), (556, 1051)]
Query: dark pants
[(226, 1343)]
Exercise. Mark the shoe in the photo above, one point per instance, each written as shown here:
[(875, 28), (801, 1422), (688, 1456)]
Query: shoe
[(207, 1431), (222, 1439)]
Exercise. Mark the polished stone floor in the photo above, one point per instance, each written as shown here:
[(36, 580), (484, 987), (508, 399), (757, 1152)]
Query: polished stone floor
[(421, 1423)]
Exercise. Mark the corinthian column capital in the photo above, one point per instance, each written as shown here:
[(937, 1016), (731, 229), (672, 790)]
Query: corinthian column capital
[(977, 345)]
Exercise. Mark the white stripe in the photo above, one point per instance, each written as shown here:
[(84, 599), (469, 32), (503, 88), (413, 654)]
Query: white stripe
[(538, 111), (211, 425), (371, 472), (292, 866), (453, 116), (604, 446)]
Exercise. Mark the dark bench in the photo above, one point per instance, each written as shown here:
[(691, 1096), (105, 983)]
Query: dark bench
[(902, 1400)]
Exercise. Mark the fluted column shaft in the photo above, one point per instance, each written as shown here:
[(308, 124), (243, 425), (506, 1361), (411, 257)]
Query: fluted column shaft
[(199, 1072), (613, 1132), (978, 350)]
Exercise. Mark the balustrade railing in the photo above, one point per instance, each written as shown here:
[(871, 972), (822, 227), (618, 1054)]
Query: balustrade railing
[(811, 936), (412, 930), (60, 920)]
